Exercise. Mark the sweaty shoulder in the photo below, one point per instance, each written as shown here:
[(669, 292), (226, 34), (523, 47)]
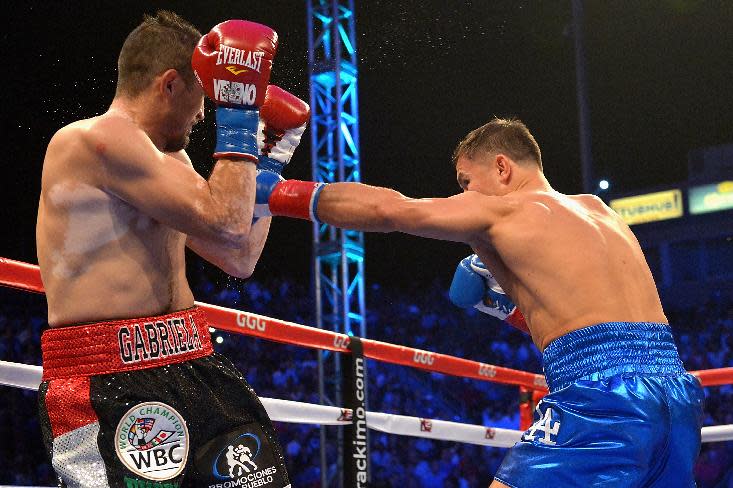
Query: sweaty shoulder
[(593, 204), (92, 137), (548, 202), (70, 153), (122, 148), (542, 208), (72, 136), (111, 135), (591, 201), (497, 206), (528, 205)]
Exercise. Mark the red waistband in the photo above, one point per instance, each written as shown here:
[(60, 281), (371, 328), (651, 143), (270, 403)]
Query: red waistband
[(125, 345)]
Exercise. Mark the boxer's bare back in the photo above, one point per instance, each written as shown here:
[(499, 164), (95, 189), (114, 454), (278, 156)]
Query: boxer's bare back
[(99, 254), (569, 262)]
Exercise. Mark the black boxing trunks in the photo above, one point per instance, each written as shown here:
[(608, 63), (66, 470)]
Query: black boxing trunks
[(146, 403)]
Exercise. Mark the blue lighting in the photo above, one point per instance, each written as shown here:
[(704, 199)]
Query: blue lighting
[(338, 272)]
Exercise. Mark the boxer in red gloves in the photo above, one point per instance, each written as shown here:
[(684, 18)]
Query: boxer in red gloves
[(132, 394)]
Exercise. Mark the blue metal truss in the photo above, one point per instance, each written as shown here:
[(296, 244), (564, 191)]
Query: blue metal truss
[(338, 255)]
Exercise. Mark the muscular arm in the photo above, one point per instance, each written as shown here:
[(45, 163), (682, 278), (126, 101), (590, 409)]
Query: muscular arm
[(218, 210), (461, 218), (236, 261), (240, 261)]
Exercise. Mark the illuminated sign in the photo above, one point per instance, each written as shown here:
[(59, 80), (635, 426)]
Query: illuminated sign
[(711, 198), (649, 207)]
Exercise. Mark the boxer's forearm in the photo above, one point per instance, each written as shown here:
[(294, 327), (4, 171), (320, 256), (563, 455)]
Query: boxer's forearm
[(239, 262), (232, 189), (255, 244), (460, 218), (359, 207), (232, 186)]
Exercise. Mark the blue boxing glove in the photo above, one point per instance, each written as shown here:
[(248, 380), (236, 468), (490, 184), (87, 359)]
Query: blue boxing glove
[(266, 182), (290, 198), (474, 286)]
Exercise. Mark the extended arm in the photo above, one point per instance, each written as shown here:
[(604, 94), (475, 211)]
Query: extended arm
[(460, 218)]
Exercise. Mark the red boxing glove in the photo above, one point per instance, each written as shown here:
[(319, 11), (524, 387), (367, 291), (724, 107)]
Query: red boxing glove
[(233, 63), (282, 111), (289, 198), (283, 118)]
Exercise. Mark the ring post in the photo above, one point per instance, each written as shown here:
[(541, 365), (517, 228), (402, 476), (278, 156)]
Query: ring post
[(525, 408), (356, 441)]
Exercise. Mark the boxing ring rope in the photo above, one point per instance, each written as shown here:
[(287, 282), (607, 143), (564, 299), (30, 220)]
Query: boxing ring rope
[(26, 277)]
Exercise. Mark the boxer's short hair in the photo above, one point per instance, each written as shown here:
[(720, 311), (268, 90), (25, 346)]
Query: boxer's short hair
[(508, 136), (159, 43)]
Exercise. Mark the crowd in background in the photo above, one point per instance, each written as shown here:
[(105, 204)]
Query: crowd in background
[(421, 318)]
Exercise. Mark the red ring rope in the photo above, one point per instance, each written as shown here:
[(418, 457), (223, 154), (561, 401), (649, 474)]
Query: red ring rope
[(27, 277)]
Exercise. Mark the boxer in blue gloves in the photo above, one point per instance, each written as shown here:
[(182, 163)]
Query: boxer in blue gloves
[(621, 410)]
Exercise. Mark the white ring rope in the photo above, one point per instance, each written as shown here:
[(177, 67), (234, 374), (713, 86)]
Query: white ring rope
[(29, 377)]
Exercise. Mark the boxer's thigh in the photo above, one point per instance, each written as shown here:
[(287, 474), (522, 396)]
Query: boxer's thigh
[(144, 418), (235, 440), (70, 429), (677, 461), (596, 432)]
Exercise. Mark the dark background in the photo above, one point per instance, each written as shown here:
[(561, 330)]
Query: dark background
[(659, 74)]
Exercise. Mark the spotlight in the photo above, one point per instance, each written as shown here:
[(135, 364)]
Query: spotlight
[(603, 184)]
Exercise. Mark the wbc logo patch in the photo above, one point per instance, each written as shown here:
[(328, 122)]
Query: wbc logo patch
[(151, 440)]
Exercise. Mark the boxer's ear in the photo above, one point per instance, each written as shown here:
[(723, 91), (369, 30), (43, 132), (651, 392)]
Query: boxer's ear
[(503, 167), (170, 82)]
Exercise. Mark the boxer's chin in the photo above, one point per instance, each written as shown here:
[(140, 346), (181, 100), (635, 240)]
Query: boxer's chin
[(177, 144)]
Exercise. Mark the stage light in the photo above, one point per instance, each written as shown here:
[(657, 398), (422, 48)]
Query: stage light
[(603, 184)]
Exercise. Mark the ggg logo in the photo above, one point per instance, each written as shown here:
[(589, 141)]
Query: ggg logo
[(486, 370), (424, 357), (341, 341), (251, 322), (152, 441)]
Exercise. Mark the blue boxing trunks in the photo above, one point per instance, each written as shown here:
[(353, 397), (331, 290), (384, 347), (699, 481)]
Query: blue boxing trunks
[(621, 411)]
